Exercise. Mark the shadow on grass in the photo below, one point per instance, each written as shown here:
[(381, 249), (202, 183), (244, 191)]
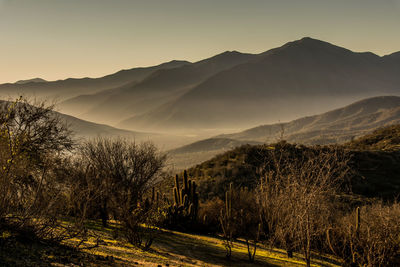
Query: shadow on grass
[(21, 251)]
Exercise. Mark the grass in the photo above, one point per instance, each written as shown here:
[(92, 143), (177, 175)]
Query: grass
[(172, 248)]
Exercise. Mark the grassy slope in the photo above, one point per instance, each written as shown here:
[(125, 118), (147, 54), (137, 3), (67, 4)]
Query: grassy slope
[(170, 248)]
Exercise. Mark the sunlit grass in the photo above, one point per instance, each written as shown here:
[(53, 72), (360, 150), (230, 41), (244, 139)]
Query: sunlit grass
[(184, 249)]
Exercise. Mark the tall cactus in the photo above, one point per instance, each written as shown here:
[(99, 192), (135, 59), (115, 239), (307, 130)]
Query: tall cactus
[(186, 203), (354, 241), (358, 218), (226, 221)]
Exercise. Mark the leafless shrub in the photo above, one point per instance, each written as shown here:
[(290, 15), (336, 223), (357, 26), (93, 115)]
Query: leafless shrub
[(209, 213), (124, 172), (32, 138), (370, 236), (296, 195), (240, 218)]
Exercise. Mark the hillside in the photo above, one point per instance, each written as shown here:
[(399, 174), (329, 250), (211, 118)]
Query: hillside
[(303, 77), (387, 138), (162, 86), (374, 173), (202, 150), (336, 126), (63, 89), (170, 248)]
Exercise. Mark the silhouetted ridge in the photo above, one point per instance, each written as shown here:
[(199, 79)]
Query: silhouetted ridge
[(34, 80)]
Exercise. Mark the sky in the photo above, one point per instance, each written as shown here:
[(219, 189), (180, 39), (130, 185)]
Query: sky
[(57, 39)]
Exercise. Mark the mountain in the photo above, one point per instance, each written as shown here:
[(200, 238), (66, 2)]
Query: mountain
[(63, 89), (336, 126), (34, 80), (300, 78), (160, 87)]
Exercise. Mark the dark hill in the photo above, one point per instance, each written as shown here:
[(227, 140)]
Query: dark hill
[(374, 173), (34, 80)]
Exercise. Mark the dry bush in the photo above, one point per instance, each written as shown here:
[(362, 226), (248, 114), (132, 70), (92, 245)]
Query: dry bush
[(32, 140), (297, 195), (123, 172), (370, 236), (209, 213), (240, 218)]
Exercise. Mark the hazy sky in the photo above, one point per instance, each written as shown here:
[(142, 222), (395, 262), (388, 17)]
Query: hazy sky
[(55, 39)]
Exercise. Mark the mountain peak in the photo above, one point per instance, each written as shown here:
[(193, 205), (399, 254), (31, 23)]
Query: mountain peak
[(227, 56), (310, 42)]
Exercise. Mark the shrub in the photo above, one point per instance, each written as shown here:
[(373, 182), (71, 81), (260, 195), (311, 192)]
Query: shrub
[(32, 141), (297, 195), (368, 236)]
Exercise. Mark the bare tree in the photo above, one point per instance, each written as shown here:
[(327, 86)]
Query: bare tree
[(32, 137), (124, 171), (297, 193), (368, 236)]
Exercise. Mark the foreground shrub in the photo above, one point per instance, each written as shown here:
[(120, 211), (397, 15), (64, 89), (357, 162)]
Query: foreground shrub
[(33, 140), (209, 214), (240, 218), (297, 195), (369, 236), (123, 173)]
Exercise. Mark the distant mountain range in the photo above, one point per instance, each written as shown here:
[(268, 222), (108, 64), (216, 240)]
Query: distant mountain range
[(300, 78), (336, 126), (161, 87), (64, 89), (228, 91)]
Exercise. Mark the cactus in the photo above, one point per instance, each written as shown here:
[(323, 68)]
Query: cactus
[(226, 222), (185, 208), (358, 217), (354, 240)]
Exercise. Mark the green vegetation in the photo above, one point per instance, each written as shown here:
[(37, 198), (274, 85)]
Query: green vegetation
[(387, 139), (376, 173)]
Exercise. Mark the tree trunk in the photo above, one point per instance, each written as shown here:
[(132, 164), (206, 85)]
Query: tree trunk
[(104, 213)]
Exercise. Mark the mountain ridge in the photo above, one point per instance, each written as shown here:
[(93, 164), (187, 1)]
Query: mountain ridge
[(336, 126), (289, 75)]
